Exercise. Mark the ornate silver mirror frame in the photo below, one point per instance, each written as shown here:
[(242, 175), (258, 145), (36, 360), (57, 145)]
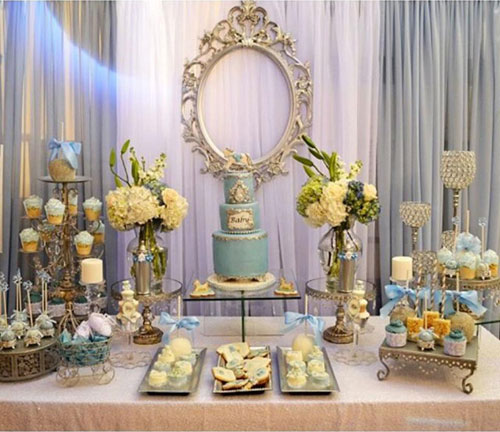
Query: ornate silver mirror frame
[(247, 26)]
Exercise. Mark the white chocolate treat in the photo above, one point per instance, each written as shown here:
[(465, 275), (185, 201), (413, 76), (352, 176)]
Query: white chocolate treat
[(157, 378), (191, 358), (181, 347), (320, 379), (297, 364), (162, 367), (177, 377), (166, 356), (315, 366), (316, 354), (293, 356), (304, 343), (296, 378), (184, 366)]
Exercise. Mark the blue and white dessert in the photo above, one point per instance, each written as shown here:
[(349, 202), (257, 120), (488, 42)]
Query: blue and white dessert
[(240, 247)]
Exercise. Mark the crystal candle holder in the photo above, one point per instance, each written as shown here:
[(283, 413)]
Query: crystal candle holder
[(415, 215), (458, 169)]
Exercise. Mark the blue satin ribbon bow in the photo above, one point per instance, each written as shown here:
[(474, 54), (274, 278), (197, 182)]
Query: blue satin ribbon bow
[(186, 323), (467, 298), (395, 293), (70, 151), (294, 319)]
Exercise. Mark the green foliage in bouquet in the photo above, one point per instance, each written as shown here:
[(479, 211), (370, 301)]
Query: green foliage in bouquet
[(141, 200)]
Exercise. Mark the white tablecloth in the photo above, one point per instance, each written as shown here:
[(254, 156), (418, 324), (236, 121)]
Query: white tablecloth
[(407, 400)]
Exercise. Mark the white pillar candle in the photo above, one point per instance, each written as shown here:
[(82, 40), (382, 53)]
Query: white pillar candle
[(91, 271), (402, 268)]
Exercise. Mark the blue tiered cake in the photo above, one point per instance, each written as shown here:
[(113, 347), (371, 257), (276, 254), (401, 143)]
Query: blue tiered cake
[(240, 248)]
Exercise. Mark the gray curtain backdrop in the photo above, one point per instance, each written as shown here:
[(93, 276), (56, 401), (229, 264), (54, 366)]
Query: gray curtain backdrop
[(60, 68), (439, 90)]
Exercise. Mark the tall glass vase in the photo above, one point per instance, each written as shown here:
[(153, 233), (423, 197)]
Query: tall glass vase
[(155, 246), (336, 241)]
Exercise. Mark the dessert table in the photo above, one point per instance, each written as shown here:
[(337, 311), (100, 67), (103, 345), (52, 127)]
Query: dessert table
[(407, 400)]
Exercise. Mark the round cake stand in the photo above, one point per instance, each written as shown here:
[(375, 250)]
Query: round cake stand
[(246, 285), (340, 333)]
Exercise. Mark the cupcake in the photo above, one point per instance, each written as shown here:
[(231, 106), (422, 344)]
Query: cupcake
[(157, 378), (466, 242), (55, 211), (99, 234), (443, 256), (467, 263), (455, 343), (490, 257), (81, 305), (57, 307), (33, 206), (36, 303), (83, 242), (92, 208), (320, 379), (396, 334), (296, 379), (73, 202), (29, 239)]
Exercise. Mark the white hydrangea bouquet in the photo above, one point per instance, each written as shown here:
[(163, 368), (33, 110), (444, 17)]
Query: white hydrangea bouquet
[(142, 201), (335, 198)]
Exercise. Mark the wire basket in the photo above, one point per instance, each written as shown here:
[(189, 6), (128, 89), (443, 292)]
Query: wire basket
[(85, 354)]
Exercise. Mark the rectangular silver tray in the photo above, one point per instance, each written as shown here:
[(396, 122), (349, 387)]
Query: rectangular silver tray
[(309, 387), (269, 385), (189, 387)]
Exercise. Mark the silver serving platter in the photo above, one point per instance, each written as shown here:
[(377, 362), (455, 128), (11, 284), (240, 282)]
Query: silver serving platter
[(189, 387), (309, 387), (267, 387)]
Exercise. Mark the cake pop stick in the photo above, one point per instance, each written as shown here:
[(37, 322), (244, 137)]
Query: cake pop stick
[(482, 223), (467, 220), (17, 279), (418, 286), (443, 293), (27, 287)]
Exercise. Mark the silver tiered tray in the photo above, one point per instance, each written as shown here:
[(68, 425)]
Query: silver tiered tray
[(412, 353)]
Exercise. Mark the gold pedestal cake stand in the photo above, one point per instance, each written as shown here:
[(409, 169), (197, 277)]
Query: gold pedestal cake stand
[(147, 334), (340, 333)]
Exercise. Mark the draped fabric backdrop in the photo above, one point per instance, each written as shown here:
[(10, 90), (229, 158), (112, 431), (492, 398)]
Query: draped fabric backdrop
[(341, 42), (395, 83), (439, 90), (58, 68)]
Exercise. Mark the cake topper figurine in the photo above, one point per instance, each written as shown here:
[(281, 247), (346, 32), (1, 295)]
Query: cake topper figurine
[(237, 161)]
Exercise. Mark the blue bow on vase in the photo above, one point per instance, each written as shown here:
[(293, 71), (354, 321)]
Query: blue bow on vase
[(186, 323), (467, 298), (294, 319), (70, 151)]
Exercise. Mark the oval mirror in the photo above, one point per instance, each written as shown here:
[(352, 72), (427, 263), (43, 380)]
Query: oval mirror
[(246, 91), (245, 103)]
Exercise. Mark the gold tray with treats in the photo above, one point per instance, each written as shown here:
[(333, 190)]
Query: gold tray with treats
[(189, 386), (310, 385), (243, 369)]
